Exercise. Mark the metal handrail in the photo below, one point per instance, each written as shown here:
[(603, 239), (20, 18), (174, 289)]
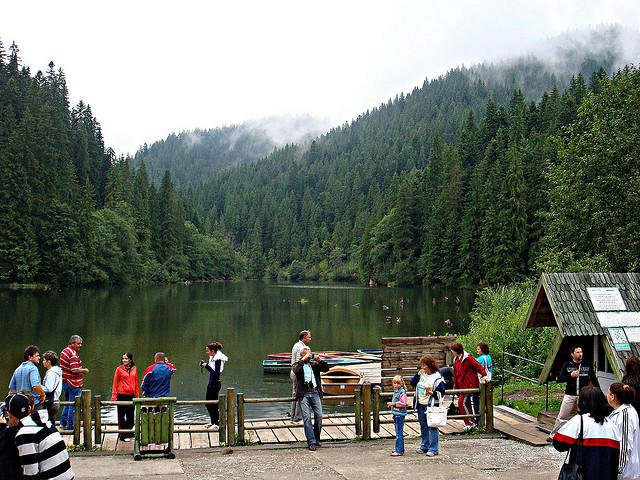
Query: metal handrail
[(515, 374)]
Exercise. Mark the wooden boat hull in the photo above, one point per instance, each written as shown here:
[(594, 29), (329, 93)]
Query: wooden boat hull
[(341, 381)]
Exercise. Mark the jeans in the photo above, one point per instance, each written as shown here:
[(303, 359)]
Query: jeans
[(430, 435), (311, 401), (398, 421), (68, 412)]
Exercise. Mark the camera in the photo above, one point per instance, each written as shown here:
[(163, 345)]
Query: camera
[(203, 364), (308, 385)]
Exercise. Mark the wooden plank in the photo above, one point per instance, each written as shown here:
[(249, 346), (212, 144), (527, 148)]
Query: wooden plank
[(431, 348), (524, 432), (524, 417), (199, 440), (282, 434), (416, 340), (330, 430), (265, 436), (297, 430)]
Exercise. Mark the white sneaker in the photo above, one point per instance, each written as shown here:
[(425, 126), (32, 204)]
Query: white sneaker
[(213, 427), (430, 454)]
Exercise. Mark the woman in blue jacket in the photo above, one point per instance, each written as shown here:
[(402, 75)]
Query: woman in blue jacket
[(429, 385)]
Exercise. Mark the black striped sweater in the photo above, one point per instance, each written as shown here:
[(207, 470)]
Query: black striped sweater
[(43, 454)]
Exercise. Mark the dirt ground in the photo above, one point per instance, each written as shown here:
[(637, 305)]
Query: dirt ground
[(462, 457)]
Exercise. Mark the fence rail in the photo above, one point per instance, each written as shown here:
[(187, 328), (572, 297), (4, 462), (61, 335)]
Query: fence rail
[(366, 418), (524, 377)]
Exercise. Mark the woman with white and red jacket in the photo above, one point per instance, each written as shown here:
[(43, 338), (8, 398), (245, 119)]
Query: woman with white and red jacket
[(598, 449), (465, 375)]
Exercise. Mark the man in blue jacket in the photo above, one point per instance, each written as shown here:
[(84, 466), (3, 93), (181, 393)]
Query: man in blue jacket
[(156, 381)]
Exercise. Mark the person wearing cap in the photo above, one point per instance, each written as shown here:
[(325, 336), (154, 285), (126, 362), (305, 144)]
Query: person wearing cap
[(42, 452), (27, 377), (9, 458)]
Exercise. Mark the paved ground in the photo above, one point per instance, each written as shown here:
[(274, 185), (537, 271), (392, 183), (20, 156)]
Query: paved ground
[(460, 457)]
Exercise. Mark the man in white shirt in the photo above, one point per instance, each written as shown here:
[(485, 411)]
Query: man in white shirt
[(304, 339)]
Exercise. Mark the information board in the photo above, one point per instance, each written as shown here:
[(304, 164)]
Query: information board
[(633, 334), (606, 299)]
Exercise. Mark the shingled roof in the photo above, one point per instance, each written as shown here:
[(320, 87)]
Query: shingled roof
[(562, 301)]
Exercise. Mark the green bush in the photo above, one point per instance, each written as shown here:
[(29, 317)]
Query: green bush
[(497, 318)]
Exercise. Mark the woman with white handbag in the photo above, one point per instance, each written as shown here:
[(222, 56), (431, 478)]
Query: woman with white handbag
[(430, 388)]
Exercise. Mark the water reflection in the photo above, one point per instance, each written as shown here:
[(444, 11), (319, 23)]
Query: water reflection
[(250, 319)]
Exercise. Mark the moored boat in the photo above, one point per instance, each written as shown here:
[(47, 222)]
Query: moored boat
[(284, 365), (340, 381)]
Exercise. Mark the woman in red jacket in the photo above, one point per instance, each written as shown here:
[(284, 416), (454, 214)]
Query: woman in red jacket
[(125, 388), (465, 375)]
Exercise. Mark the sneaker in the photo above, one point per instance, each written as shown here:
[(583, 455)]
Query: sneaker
[(312, 447), (318, 444), (213, 427), (420, 451), (127, 439), (468, 428), (396, 454), (431, 454)]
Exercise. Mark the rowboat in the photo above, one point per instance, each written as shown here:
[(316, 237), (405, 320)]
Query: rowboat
[(284, 366), (341, 381), (371, 351)]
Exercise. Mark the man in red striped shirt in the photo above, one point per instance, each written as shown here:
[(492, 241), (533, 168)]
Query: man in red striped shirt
[(72, 373)]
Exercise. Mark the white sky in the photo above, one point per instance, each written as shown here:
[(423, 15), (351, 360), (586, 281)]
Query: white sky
[(149, 68)]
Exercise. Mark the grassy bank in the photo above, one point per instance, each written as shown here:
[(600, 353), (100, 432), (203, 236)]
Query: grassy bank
[(528, 397)]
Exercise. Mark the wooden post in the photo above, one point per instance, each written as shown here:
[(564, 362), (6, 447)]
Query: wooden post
[(489, 406), (482, 419), (86, 418), (97, 404), (376, 409), (231, 416), (366, 411), (357, 403), (77, 416), (136, 434), (241, 417), (222, 410)]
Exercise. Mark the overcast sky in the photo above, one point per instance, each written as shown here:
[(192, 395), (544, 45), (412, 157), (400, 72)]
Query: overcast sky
[(149, 68)]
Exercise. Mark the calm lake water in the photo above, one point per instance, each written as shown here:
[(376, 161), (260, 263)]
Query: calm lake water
[(250, 319)]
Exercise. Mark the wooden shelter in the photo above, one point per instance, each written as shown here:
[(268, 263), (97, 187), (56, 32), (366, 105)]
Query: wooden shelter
[(401, 356), (598, 311)]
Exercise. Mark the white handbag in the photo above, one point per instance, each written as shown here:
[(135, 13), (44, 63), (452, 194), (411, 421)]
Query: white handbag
[(436, 416)]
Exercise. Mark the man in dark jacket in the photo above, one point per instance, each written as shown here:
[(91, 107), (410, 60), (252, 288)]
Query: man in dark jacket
[(309, 394), (577, 374), (10, 468)]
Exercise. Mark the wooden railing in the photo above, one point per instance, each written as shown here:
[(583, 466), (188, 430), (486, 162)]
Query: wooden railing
[(366, 418)]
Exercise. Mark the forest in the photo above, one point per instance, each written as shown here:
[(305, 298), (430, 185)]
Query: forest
[(463, 181), (71, 212)]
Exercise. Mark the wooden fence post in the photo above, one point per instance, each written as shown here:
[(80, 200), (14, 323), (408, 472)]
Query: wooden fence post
[(482, 419), (77, 419), (366, 411), (97, 404), (222, 410), (241, 417), (376, 409), (86, 418), (489, 406), (357, 403), (231, 416)]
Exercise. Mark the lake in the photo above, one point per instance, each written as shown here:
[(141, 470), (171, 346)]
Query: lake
[(250, 319)]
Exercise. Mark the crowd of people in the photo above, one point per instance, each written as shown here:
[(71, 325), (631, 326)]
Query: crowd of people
[(602, 439), (30, 444)]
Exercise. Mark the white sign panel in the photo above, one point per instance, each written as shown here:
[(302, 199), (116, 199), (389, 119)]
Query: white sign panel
[(606, 299), (618, 319), (633, 334)]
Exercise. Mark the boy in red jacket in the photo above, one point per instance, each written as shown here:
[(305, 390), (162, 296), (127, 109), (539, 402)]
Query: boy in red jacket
[(465, 375)]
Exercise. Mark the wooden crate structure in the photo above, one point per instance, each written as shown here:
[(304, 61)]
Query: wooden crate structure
[(401, 356)]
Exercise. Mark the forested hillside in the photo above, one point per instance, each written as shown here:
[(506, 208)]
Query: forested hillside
[(194, 156), (71, 212), (443, 185)]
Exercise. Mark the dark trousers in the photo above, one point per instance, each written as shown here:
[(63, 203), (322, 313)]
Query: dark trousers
[(213, 389), (125, 414)]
